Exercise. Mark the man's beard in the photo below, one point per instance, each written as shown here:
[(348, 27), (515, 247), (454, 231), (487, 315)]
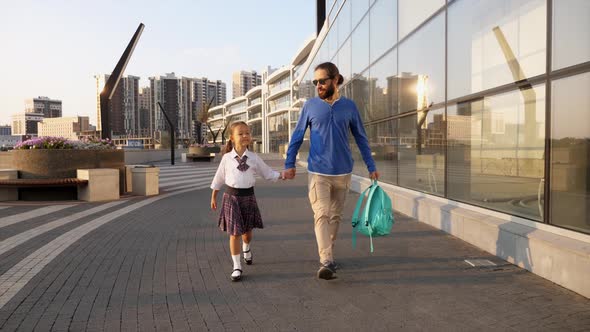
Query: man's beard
[(329, 92)]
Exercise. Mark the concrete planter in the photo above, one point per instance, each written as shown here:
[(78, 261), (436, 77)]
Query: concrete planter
[(42, 163), (203, 151)]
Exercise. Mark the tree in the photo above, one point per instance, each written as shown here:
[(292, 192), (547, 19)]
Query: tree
[(203, 117)]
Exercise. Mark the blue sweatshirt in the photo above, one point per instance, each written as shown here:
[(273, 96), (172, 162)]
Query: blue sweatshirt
[(329, 152)]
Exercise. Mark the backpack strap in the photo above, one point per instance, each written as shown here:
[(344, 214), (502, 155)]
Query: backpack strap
[(373, 187), (355, 215)]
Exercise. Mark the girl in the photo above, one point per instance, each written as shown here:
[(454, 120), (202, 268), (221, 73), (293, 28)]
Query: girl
[(239, 210)]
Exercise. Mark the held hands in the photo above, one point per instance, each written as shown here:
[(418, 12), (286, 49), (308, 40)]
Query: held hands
[(288, 174)]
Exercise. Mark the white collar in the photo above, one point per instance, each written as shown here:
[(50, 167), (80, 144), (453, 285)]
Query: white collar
[(234, 154)]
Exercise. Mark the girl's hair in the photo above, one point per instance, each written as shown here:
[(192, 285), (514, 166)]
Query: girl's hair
[(229, 145), (332, 71)]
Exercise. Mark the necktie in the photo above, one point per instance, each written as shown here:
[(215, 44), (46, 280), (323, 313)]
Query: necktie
[(242, 163)]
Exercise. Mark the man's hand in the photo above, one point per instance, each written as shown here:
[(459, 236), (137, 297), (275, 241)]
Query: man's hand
[(289, 173), (374, 175)]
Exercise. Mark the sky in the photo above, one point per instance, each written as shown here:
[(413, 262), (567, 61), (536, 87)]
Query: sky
[(54, 48)]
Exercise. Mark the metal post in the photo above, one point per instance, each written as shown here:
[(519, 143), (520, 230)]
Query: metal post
[(172, 134), (112, 82)]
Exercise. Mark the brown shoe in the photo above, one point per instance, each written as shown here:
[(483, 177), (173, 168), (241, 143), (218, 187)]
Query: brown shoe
[(325, 272)]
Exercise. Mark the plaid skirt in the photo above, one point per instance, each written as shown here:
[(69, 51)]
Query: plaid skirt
[(239, 214)]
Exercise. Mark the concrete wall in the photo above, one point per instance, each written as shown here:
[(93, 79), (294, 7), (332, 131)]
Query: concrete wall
[(133, 157), (556, 254)]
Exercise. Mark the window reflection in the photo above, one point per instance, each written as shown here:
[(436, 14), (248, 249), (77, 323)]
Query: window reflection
[(343, 62), (256, 133), (235, 118), (360, 47), (494, 43), (421, 151), (417, 65), (570, 153), (278, 132), (333, 41), (360, 95), (383, 27), (343, 21), (496, 152), (255, 113), (279, 103), (384, 148), (411, 14), (384, 87), (358, 8), (570, 18)]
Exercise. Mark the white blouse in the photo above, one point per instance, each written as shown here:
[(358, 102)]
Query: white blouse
[(229, 174)]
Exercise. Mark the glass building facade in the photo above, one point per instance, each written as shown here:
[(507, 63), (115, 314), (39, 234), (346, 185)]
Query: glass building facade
[(478, 101)]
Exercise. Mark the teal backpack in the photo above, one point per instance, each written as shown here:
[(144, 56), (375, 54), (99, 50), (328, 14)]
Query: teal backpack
[(376, 218)]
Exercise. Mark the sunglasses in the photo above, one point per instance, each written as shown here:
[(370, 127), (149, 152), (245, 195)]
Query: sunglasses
[(321, 81)]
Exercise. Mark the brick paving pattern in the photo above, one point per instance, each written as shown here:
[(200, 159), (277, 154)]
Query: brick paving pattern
[(161, 264)]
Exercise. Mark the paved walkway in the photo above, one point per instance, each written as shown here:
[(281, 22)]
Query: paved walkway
[(160, 263)]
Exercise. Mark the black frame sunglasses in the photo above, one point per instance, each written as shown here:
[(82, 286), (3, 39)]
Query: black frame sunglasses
[(322, 81)]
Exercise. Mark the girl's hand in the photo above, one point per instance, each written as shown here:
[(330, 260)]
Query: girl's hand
[(213, 204)]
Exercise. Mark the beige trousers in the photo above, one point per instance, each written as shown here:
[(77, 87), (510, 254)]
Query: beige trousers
[(327, 195)]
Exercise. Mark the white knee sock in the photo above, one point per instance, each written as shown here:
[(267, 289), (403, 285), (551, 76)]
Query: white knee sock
[(246, 247), (236, 260)]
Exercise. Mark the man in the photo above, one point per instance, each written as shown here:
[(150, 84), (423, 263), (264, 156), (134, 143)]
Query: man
[(330, 118)]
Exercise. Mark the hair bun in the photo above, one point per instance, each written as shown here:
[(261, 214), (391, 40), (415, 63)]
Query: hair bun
[(340, 79)]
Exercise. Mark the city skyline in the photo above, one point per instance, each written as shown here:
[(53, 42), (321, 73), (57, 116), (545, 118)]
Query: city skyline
[(83, 44)]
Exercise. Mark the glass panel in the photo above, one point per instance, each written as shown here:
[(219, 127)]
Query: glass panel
[(384, 148), (306, 88), (256, 132), (343, 22), (322, 55), (234, 118), (332, 9), (255, 113), (421, 151), (383, 27), (278, 132), (360, 95), (346, 90), (570, 153), (235, 108), (360, 47), (279, 103), (294, 116), (344, 61), (256, 100), (494, 43), (571, 32), (422, 74), (284, 83), (358, 8), (496, 152), (333, 41), (384, 87), (412, 13)]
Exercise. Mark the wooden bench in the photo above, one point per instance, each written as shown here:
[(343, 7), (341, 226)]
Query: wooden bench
[(199, 157)]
